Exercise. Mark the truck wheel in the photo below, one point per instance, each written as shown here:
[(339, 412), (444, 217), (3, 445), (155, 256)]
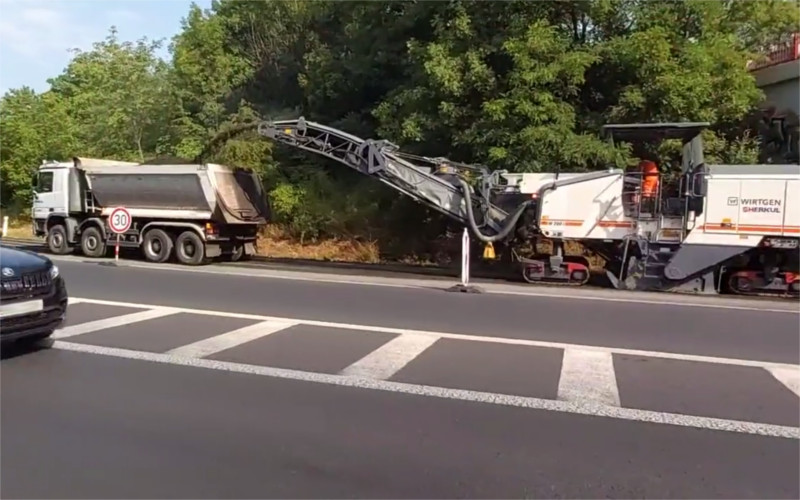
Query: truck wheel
[(236, 254), (92, 243), (57, 240), (190, 249), (157, 245)]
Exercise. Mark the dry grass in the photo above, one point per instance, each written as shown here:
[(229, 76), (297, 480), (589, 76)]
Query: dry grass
[(275, 242), (19, 228)]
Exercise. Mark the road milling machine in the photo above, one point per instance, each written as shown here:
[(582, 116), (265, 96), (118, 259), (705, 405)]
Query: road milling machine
[(714, 229)]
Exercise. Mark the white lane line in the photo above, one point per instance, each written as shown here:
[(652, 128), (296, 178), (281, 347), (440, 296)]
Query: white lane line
[(73, 300), (654, 302), (790, 377), (102, 324), (588, 376), (227, 340), (259, 273), (423, 283), (458, 336), (590, 408), (391, 357)]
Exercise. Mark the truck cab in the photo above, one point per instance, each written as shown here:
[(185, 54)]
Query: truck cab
[(50, 195)]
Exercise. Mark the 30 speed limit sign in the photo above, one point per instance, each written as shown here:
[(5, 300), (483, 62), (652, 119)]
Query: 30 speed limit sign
[(119, 220)]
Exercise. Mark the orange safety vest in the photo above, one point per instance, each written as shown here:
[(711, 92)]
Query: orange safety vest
[(649, 178)]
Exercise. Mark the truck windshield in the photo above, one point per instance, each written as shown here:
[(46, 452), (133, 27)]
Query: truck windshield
[(44, 182)]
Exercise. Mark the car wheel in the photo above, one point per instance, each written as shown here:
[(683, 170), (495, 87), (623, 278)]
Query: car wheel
[(190, 249), (57, 241), (92, 243), (157, 245)]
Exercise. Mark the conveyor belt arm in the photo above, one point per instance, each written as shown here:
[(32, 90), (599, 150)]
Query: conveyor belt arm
[(438, 184)]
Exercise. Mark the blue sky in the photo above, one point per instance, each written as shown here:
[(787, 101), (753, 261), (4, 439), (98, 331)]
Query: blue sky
[(35, 35)]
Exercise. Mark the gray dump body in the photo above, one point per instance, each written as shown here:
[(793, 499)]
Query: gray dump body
[(186, 191)]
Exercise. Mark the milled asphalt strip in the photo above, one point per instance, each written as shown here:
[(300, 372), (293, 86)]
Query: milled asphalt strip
[(592, 409), (408, 283), (456, 336)]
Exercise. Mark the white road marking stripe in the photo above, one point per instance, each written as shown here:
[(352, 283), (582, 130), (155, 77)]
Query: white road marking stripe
[(391, 357), (458, 336), (102, 324), (588, 376), (227, 340), (417, 283), (654, 302), (73, 300), (790, 377), (590, 408)]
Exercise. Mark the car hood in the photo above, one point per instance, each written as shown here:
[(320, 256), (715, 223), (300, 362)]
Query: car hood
[(21, 261)]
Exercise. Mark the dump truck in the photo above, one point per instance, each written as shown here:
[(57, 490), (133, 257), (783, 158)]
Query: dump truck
[(192, 212)]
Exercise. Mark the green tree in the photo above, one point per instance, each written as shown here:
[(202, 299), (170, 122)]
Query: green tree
[(33, 127), (501, 98), (118, 93), (204, 74)]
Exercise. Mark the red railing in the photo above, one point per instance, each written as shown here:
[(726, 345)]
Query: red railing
[(784, 52)]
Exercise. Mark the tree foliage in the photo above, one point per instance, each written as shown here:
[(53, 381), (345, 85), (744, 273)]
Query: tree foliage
[(516, 85)]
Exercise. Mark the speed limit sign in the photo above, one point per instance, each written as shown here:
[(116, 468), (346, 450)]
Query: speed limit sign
[(119, 220)]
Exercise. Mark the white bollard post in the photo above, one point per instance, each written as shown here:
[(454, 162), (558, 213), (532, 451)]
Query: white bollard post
[(465, 258), (464, 286), (5, 225)]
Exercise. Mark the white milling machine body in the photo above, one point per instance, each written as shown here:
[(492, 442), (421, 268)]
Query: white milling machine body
[(715, 228), (720, 226)]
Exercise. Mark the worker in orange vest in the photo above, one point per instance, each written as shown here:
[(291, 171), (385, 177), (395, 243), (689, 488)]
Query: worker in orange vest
[(650, 180), (650, 177)]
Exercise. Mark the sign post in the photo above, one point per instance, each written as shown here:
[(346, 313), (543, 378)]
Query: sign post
[(464, 286), (119, 220)]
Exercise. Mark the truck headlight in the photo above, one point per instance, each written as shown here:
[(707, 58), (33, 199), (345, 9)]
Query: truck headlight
[(54, 272)]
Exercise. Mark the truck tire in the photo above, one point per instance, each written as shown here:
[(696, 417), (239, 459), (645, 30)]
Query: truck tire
[(236, 254), (92, 242), (57, 241), (157, 246), (190, 249)]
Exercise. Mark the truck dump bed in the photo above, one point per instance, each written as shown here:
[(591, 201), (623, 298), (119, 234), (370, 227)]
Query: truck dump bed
[(186, 190)]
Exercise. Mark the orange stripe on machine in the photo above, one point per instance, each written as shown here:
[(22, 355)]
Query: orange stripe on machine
[(749, 228), (546, 221)]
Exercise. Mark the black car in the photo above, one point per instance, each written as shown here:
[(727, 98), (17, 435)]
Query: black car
[(33, 296)]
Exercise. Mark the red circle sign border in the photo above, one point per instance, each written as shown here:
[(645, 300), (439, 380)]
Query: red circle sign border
[(111, 215)]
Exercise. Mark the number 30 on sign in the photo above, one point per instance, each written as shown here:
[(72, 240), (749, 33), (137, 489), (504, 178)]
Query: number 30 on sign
[(119, 220)]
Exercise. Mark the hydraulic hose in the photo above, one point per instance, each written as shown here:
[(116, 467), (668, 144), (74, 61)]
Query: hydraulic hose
[(505, 231)]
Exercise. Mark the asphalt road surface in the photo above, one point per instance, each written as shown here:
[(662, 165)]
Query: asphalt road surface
[(220, 383)]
